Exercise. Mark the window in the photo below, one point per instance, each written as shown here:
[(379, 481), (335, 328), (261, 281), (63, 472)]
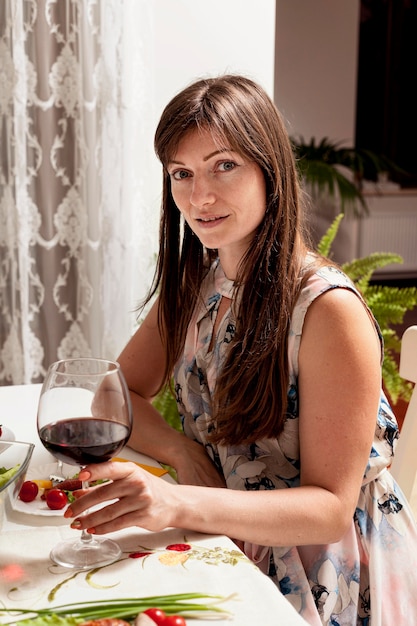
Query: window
[(386, 116)]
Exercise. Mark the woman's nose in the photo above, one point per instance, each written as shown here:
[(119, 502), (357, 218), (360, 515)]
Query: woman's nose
[(202, 192)]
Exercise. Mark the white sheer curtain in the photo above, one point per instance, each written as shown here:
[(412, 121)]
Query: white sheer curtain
[(77, 221)]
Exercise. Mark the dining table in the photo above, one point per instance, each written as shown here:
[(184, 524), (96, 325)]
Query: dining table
[(172, 561)]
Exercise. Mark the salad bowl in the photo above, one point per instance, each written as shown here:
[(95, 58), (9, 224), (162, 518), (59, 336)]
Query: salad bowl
[(15, 457)]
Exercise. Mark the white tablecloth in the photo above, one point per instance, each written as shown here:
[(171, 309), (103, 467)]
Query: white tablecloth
[(150, 565)]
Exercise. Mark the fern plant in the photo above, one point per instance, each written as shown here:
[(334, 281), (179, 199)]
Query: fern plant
[(388, 304)]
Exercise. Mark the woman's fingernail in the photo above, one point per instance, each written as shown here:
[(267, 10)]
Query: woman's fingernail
[(92, 531), (76, 524), (68, 512)]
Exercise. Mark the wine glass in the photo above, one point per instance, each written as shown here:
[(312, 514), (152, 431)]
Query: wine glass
[(84, 416)]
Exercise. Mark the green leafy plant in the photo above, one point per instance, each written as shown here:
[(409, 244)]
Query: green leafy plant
[(388, 304), (166, 404), (331, 169)]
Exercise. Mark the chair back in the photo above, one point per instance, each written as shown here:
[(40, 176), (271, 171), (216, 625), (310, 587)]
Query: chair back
[(404, 464)]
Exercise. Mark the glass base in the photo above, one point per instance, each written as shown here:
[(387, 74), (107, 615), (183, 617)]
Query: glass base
[(79, 554)]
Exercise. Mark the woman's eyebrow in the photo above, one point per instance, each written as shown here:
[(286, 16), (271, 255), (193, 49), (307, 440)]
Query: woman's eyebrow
[(216, 152), (206, 158)]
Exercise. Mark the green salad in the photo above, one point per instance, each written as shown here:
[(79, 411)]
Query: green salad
[(6, 474)]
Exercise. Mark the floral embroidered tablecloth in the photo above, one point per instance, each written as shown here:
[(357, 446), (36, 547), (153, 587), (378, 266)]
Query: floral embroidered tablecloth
[(168, 562)]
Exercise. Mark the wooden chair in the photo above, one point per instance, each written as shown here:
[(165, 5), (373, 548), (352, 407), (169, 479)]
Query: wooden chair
[(404, 464)]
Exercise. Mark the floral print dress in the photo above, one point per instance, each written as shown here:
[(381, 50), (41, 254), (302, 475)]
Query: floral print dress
[(367, 578)]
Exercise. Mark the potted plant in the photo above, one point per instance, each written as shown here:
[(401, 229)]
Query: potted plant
[(332, 170), (334, 177)]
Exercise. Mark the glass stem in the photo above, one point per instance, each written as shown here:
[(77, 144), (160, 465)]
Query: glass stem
[(60, 468), (85, 536)]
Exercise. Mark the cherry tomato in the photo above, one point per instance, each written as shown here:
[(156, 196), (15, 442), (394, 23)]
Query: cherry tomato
[(56, 499), (28, 491), (174, 620), (157, 615)]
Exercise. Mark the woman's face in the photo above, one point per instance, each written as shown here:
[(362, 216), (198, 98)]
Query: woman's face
[(221, 195)]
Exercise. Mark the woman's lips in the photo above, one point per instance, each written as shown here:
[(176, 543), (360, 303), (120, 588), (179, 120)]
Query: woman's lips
[(210, 222)]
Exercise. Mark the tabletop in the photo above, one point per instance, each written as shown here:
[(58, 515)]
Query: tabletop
[(173, 561)]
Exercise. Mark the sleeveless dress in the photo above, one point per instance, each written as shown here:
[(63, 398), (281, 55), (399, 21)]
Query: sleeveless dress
[(367, 578)]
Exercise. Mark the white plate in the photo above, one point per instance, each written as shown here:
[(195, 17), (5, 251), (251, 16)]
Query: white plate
[(39, 506)]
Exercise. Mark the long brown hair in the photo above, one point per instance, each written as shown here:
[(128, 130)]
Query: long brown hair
[(250, 398)]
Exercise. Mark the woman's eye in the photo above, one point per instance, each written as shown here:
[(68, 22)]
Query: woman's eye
[(227, 166), (179, 174)]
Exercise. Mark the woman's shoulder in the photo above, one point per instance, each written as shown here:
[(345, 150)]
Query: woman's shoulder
[(320, 280), (324, 275)]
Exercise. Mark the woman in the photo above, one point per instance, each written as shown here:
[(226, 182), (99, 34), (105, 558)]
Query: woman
[(277, 368)]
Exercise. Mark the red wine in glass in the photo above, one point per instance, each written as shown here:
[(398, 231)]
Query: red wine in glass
[(79, 441)]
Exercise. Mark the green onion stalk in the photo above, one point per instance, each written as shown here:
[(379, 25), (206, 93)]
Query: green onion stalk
[(184, 604)]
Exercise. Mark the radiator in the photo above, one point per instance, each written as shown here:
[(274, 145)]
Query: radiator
[(391, 226)]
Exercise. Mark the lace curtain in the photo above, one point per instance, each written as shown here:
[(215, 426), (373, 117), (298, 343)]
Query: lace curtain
[(77, 230)]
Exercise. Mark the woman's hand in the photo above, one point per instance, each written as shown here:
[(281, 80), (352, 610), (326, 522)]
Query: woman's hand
[(134, 496), (194, 467)]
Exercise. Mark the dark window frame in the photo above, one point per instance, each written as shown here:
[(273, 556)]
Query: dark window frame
[(386, 112)]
